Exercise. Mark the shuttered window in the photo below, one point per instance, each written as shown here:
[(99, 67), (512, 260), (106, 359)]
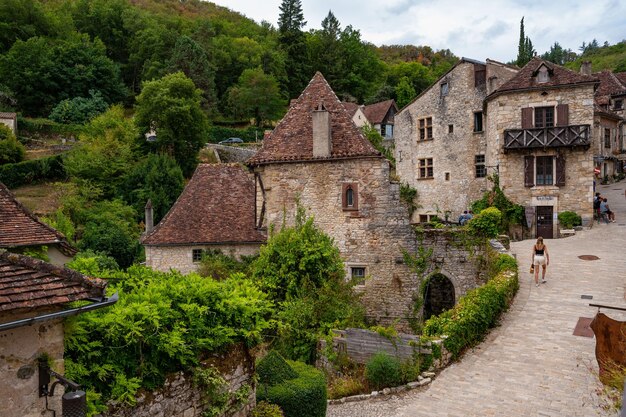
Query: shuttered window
[(562, 115), (544, 116), (545, 170), (529, 171), (527, 118), (560, 171)]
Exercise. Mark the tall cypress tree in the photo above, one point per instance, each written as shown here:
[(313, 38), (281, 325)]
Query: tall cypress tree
[(525, 50), (291, 18), (292, 40)]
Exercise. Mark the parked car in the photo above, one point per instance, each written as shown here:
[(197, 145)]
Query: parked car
[(230, 140)]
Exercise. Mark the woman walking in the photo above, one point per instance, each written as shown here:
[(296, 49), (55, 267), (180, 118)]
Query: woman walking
[(541, 257)]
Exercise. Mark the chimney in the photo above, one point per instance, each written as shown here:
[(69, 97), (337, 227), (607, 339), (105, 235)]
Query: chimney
[(149, 217), (585, 68), (322, 145)]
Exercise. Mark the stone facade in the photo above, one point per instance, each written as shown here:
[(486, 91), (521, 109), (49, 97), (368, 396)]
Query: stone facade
[(180, 397), (180, 258), (504, 112), (451, 106), (19, 349), (606, 132)]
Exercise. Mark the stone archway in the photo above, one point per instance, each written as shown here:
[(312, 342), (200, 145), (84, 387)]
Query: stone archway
[(438, 295)]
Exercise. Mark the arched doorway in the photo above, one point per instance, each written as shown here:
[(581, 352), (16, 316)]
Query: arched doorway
[(438, 295)]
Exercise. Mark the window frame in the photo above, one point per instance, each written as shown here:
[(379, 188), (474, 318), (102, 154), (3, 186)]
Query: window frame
[(425, 168), (358, 279), (353, 188), (607, 137), (545, 112), (479, 119), (425, 129), (480, 167), (618, 104), (444, 88), (540, 162), (197, 254)]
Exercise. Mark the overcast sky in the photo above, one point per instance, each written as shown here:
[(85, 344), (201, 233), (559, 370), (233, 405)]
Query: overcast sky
[(470, 28)]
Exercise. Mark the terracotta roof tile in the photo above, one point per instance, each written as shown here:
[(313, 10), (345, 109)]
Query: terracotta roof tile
[(6, 115), (30, 283), (525, 79), (609, 84), (19, 227), (351, 108), (376, 112), (292, 140), (217, 206)]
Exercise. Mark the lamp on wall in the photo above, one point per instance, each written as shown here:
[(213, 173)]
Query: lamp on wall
[(73, 402)]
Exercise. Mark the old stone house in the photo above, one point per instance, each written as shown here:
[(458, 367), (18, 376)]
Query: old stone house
[(539, 134), (32, 296), (21, 231), (440, 140), (214, 212), (379, 115), (9, 120)]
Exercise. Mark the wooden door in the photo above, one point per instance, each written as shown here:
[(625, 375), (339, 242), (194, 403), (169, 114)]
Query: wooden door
[(544, 222)]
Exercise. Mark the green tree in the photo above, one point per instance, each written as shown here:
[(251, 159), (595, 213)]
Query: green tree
[(256, 95), (404, 92), (23, 19), (11, 150), (171, 106), (293, 42), (157, 178), (525, 50), (79, 110)]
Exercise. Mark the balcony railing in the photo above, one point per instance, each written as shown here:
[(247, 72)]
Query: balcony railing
[(548, 137)]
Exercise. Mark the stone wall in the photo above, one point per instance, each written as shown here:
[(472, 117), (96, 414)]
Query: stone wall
[(179, 397), (606, 158), (164, 258), (504, 112), (233, 153), (19, 350), (371, 237), (454, 146)]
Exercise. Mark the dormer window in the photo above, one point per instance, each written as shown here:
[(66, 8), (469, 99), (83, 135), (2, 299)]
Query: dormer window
[(444, 89), (350, 197), (542, 75)]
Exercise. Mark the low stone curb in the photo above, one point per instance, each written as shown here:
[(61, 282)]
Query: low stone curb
[(424, 379)]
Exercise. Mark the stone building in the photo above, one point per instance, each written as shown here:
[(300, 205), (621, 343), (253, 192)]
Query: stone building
[(214, 212), (33, 295), (20, 231), (9, 120), (318, 157), (440, 140), (539, 134), (381, 116)]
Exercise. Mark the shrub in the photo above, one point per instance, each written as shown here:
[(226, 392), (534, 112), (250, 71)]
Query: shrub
[(29, 172), (479, 310), (383, 370), (345, 386), (304, 396), (47, 127), (486, 223), (503, 262), (11, 151), (569, 219), (273, 369), (265, 409), (79, 110), (219, 133)]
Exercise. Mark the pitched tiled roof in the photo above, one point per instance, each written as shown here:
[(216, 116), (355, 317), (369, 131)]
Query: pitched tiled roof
[(609, 84), (5, 115), (526, 79), (292, 140), (217, 206), (621, 76), (18, 227), (351, 108), (376, 112), (27, 283)]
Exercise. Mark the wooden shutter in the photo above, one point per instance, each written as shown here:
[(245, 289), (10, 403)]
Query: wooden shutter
[(560, 170), (527, 118), (562, 115), (529, 171)]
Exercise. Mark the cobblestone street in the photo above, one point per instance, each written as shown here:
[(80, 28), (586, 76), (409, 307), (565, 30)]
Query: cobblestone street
[(532, 365)]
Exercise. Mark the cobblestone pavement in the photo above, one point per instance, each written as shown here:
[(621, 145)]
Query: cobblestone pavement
[(532, 365)]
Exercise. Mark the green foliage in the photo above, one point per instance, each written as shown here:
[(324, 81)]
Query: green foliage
[(376, 140), (408, 194), (569, 219), (219, 266), (383, 370), (33, 171), (157, 178), (486, 223), (273, 370), (478, 311), (265, 409), (525, 50), (405, 92), (171, 106), (602, 57), (37, 252), (257, 96), (11, 151), (93, 263), (39, 126), (62, 223), (219, 133), (304, 396), (79, 110), (163, 322), (345, 386), (502, 263)]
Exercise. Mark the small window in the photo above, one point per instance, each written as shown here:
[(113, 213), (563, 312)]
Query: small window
[(350, 196), (423, 218), (425, 167), (450, 128), (542, 75), (478, 121), (196, 255), (444, 89), (618, 104), (607, 138), (447, 176), (481, 168), (357, 273), (426, 128), (544, 116), (544, 170)]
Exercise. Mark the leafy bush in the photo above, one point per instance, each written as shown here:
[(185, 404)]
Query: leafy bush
[(304, 396), (29, 172), (265, 409), (79, 110), (250, 134), (162, 323), (569, 219), (47, 127), (503, 262), (486, 223), (479, 310), (383, 370), (11, 151), (273, 369), (511, 213), (345, 386)]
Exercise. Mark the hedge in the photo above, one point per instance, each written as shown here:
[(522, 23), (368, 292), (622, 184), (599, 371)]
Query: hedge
[(47, 126), (273, 369), (249, 134), (304, 396), (479, 310), (36, 170)]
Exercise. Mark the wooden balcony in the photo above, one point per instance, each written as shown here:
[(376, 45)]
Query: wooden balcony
[(548, 137)]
